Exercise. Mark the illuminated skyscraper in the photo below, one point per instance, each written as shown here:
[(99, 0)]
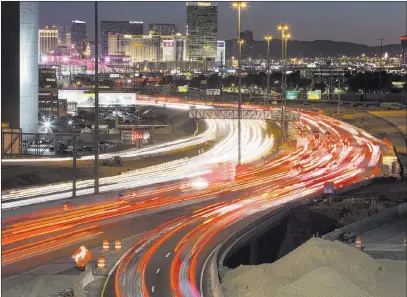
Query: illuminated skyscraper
[(202, 30), (118, 27), (48, 40), (78, 34), (403, 41), (163, 29)]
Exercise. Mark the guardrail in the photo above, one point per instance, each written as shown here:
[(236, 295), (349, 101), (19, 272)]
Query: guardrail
[(369, 223), (241, 236)]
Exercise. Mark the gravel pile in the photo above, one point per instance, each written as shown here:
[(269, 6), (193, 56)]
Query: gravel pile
[(319, 268)]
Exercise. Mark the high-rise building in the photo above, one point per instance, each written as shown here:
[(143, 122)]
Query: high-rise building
[(202, 30), (19, 100), (174, 48), (139, 48), (163, 29), (118, 27), (68, 39), (62, 30), (78, 34), (48, 40), (247, 46), (403, 41)]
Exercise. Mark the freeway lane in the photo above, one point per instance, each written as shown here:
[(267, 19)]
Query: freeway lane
[(50, 233), (308, 156), (306, 171), (256, 143)]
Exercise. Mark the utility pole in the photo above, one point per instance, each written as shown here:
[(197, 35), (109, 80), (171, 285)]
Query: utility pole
[(381, 60), (339, 93), (239, 6), (239, 92), (74, 166), (221, 76), (134, 77), (365, 74), (96, 165), (268, 38), (283, 28), (330, 74), (166, 88)]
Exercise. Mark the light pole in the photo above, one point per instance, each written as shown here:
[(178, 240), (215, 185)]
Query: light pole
[(283, 28), (206, 71), (381, 60), (268, 38), (96, 165), (239, 6)]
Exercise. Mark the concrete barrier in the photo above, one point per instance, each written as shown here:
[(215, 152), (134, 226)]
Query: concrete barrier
[(241, 236), (368, 223), (83, 280)]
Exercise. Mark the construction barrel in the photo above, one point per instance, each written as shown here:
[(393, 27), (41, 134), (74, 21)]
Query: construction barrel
[(118, 245), (105, 245), (358, 243), (101, 263)]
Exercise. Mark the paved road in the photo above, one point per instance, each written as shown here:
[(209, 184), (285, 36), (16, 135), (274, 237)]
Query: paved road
[(310, 158), (179, 247)]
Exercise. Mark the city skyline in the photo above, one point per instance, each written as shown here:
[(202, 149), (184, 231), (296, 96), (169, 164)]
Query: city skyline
[(310, 21)]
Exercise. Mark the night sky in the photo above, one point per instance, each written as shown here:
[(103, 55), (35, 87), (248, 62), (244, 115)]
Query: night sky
[(359, 22)]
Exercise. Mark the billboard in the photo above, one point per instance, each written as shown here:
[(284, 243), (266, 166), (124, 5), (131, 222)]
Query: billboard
[(47, 78), (183, 89), (314, 95), (220, 51), (213, 92), (82, 99), (389, 160), (291, 94), (169, 51)]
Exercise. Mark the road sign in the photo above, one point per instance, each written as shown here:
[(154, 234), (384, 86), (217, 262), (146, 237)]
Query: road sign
[(314, 95), (82, 256), (329, 188), (183, 89), (213, 92), (291, 95), (137, 135), (248, 114), (389, 160)]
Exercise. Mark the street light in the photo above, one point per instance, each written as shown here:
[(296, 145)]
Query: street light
[(268, 38), (239, 6), (284, 36)]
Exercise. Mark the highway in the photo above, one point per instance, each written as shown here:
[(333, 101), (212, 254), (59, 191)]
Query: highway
[(169, 261), (255, 144), (175, 249)]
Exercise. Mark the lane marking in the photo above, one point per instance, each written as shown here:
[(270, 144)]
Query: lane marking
[(168, 255), (152, 289), (158, 270), (114, 267)]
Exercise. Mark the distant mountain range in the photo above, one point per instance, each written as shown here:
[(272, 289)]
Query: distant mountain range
[(310, 49)]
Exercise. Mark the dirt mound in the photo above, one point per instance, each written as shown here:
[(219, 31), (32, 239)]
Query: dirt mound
[(319, 268), (322, 282), (317, 252)]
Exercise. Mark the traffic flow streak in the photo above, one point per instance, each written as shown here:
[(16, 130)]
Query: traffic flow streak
[(256, 144), (332, 152), (46, 227)]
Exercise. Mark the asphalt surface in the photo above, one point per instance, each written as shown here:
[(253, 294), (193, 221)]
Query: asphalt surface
[(162, 257)]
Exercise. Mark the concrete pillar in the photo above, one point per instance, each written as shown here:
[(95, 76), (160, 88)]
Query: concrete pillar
[(254, 252)]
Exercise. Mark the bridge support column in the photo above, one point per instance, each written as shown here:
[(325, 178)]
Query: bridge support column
[(254, 252)]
